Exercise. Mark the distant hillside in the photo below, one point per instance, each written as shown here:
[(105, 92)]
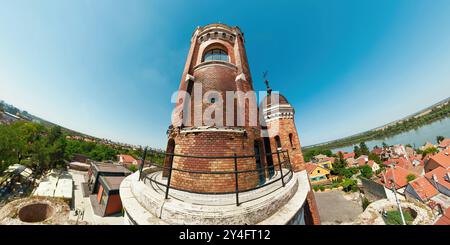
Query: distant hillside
[(423, 117), (29, 117)]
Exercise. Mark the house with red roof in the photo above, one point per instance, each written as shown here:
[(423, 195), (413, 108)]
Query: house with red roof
[(440, 178), (377, 151), (444, 144), (398, 175), (316, 173), (362, 160), (348, 155), (127, 160), (421, 189), (445, 219), (372, 164), (441, 159)]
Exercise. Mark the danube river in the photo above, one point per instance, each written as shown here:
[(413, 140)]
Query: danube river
[(415, 137)]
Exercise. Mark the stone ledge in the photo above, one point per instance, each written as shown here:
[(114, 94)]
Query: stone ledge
[(145, 204)]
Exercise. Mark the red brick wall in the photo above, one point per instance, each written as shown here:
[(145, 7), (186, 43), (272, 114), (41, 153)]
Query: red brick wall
[(214, 144), (221, 78), (312, 211), (286, 127)]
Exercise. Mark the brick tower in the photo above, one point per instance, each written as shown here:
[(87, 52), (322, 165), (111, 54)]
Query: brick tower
[(279, 119), (282, 135), (221, 166), (216, 64)]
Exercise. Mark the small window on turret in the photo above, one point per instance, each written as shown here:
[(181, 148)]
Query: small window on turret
[(216, 54), (290, 140)]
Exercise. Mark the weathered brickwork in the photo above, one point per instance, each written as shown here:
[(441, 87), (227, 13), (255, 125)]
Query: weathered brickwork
[(213, 144), (287, 133), (190, 139)]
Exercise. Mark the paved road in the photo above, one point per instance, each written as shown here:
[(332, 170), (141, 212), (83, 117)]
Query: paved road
[(335, 208)]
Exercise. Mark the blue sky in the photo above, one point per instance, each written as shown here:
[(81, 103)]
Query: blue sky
[(108, 68)]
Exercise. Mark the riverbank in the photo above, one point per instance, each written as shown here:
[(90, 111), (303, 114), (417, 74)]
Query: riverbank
[(415, 123)]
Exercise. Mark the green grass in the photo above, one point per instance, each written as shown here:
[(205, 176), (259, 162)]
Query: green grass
[(394, 217)]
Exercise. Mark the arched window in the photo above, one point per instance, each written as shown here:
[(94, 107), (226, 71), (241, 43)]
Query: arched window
[(278, 141), (290, 140), (216, 54)]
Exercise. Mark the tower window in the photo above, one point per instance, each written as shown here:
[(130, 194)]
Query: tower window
[(290, 140), (216, 54), (278, 141)]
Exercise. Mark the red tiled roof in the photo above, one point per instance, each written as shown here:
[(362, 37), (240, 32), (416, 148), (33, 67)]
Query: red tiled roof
[(442, 158), (126, 158), (440, 173), (424, 188), (361, 161), (377, 151), (310, 167), (399, 175), (370, 163), (445, 143), (445, 219), (348, 155), (401, 162)]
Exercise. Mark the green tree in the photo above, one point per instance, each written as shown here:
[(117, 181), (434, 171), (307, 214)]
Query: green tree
[(357, 151), (348, 185), (366, 171), (429, 150), (374, 157), (364, 150), (410, 177), (339, 165)]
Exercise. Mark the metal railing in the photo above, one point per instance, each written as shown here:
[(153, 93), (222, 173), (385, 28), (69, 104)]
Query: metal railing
[(282, 157)]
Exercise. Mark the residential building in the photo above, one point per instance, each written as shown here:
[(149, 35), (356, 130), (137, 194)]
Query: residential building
[(362, 160), (377, 151), (445, 218), (440, 178), (444, 144), (398, 175), (319, 158), (326, 163), (351, 162), (127, 160), (372, 164), (421, 189), (441, 159), (317, 174)]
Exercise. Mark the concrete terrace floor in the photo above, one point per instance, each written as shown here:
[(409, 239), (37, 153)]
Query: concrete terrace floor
[(336, 207), (84, 203)]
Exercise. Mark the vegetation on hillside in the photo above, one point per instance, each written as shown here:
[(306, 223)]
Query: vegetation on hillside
[(41, 148)]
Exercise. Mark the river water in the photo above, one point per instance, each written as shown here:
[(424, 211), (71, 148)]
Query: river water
[(415, 137)]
